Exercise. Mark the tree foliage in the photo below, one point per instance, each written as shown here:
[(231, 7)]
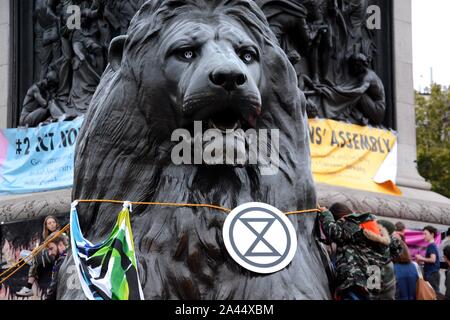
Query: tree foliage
[(433, 138)]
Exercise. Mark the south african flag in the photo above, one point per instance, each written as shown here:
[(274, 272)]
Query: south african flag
[(107, 271)]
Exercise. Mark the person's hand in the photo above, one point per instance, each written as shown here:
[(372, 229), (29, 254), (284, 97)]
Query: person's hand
[(323, 209), (397, 235), (419, 258)]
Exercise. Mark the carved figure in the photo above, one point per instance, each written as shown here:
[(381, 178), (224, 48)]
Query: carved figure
[(36, 107)]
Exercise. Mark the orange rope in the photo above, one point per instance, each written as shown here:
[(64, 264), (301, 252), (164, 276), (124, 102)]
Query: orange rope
[(22, 262), (303, 211), (165, 204), (170, 204)]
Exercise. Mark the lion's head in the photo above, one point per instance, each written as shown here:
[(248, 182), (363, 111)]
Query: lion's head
[(216, 62)]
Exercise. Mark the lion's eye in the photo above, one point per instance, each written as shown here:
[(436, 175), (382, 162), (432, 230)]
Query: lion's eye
[(187, 54), (248, 56)]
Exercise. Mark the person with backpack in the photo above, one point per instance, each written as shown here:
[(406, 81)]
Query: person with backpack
[(363, 247), (388, 281)]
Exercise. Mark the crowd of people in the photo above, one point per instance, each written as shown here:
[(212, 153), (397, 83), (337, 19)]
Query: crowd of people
[(372, 260), (49, 259)]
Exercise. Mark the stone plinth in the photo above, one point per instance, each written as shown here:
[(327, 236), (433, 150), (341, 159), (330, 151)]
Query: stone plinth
[(416, 207), (23, 207)]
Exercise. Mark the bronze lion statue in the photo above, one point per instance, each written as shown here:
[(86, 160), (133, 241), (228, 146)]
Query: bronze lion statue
[(214, 61)]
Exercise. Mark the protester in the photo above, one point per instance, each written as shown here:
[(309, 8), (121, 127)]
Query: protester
[(431, 260), (445, 242), (42, 260), (406, 274), (447, 275), (400, 229), (361, 244), (57, 248), (51, 225), (388, 283)]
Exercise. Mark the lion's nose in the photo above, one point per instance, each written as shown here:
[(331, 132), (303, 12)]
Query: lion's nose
[(228, 79)]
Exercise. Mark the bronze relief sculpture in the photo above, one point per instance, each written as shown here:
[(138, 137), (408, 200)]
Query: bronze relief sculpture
[(319, 38), (322, 39)]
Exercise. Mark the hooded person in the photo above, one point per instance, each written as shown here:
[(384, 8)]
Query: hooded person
[(363, 248), (388, 282)]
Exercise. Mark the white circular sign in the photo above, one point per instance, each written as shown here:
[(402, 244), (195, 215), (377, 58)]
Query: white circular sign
[(260, 238)]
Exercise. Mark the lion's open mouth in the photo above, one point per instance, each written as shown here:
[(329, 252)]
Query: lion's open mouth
[(227, 120), (223, 130), (222, 114)]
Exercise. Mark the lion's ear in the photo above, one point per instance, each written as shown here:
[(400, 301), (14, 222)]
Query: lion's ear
[(116, 51)]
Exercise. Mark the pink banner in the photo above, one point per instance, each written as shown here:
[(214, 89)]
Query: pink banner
[(416, 243)]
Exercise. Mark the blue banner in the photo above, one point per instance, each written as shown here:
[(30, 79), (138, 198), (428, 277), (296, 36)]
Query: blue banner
[(38, 159)]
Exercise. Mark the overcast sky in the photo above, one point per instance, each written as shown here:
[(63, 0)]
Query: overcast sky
[(431, 42)]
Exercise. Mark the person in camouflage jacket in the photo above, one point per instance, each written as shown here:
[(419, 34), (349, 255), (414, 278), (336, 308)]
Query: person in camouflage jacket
[(363, 248)]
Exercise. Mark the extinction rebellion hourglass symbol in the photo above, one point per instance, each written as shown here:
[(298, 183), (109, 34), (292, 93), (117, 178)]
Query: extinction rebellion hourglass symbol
[(260, 238)]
